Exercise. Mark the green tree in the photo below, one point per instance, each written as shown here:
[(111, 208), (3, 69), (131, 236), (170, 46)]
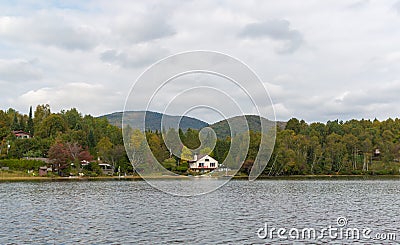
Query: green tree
[(73, 119), (293, 124), (15, 125), (104, 148), (91, 139), (41, 113), (191, 139), (206, 151), (51, 126), (186, 154), (30, 124)]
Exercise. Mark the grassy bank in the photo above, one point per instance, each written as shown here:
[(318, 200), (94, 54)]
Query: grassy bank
[(20, 176)]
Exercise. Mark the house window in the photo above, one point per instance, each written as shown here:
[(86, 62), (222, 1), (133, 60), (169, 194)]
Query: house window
[(212, 165), (201, 164), (207, 160)]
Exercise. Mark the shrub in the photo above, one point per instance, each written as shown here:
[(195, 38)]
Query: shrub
[(21, 164)]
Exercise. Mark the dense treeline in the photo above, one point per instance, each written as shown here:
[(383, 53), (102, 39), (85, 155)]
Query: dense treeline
[(352, 147), (65, 137), (336, 147)]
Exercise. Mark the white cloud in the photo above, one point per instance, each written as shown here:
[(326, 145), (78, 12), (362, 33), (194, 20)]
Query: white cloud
[(87, 97), (139, 29), (341, 61), (358, 4), (276, 30), (135, 56), (19, 70), (396, 7), (48, 29)]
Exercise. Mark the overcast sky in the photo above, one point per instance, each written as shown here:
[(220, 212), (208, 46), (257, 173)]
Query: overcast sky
[(320, 60)]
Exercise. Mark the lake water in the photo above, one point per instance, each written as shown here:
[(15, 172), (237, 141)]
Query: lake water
[(132, 212)]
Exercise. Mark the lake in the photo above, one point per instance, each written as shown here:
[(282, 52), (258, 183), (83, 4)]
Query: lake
[(241, 212)]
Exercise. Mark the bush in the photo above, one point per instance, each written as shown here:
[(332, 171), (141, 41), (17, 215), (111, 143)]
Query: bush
[(183, 167), (383, 172), (92, 169), (21, 164), (169, 166), (356, 172)]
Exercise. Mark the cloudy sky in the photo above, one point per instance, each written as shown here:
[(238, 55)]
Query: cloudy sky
[(319, 60)]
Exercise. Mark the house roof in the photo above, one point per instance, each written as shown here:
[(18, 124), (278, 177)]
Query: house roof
[(201, 157), (19, 132)]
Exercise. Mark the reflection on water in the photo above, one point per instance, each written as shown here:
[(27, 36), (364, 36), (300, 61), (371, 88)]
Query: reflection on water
[(132, 212)]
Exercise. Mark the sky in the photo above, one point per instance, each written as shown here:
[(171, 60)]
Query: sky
[(319, 60)]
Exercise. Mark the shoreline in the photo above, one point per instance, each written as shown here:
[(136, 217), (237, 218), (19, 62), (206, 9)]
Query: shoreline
[(139, 178)]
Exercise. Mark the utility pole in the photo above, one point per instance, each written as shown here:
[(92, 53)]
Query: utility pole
[(8, 146)]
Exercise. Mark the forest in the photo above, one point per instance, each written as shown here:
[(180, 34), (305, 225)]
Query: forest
[(337, 147), (67, 138), (353, 147)]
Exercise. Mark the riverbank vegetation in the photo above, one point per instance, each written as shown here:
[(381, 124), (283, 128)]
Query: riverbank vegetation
[(355, 147), (70, 143), (66, 142), (337, 147)]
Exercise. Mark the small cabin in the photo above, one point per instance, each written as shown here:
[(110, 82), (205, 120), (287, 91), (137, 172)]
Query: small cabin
[(21, 134), (203, 163)]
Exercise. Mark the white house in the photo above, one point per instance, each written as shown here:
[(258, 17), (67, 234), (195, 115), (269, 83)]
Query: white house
[(203, 163)]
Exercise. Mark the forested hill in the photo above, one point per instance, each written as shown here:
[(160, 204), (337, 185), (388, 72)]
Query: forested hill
[(153, 120), (222, 128)]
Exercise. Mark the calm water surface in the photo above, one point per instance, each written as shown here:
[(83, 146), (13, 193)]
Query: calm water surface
[(132, 212)]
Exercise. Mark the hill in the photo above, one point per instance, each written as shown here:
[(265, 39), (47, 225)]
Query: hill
[(153, 120), (222, 130)]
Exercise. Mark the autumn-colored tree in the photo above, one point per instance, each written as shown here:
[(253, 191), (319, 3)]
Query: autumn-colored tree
[(60, 156), (63, 154), (85, 156)]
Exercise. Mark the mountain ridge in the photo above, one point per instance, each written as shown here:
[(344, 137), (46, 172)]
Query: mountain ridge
[(221, 128), (153, 120)]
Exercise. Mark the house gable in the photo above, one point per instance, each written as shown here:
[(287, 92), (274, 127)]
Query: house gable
[(204, 162)]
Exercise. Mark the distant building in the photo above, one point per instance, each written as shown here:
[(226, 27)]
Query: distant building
[(106, 168), (21, 134), (203, 163), (43, 171), (84, 163)]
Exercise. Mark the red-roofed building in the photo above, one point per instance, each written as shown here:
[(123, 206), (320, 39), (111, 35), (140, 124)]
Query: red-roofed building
[(21, 134)]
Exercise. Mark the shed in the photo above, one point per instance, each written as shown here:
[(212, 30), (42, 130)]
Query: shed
[(43, 171)]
